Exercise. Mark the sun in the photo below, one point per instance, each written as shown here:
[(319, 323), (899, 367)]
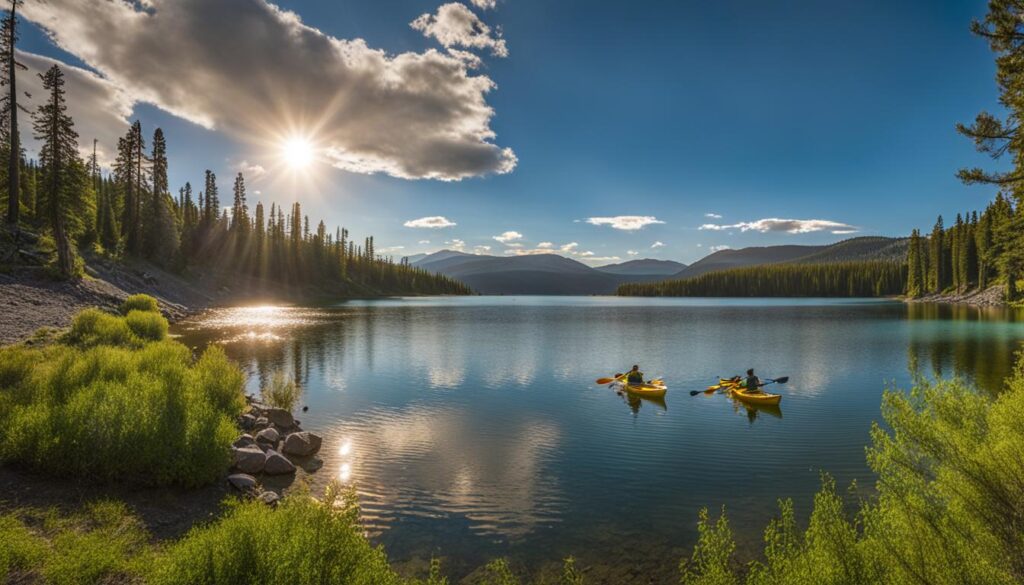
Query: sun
[(298, 152)]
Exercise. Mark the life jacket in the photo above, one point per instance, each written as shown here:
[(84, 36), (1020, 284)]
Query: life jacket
[(635, 377)]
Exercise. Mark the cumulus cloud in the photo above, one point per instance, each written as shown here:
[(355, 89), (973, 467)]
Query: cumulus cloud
[(547, 245), (258, 72), (625, 222), (657, 245), (456, 244), (481, 249), (99, 108), (722, 247), (713, 215), (485, 4), (789, 226), (570, 247), (455, 25), (508, 237), (431, 222), (632, 252), (421, 242), (251, 170)]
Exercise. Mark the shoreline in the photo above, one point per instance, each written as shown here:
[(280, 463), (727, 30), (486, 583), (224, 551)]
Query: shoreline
[(993, 296)]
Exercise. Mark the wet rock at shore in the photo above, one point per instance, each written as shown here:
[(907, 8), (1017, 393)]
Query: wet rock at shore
[(245, 440), (242, 482), (261, 423), (280, 418), (247, 421), (269, 498), (270, 436), (250, 459), (302, 443), (277, 464)]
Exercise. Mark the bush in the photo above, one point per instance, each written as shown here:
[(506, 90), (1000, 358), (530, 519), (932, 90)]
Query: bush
[(111, 404), (281, 392), (302, 541), (139, 302), (147, 326), (20, 550)]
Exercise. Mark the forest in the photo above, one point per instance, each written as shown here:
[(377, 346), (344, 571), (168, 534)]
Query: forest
[(874, 278), (131, 213)]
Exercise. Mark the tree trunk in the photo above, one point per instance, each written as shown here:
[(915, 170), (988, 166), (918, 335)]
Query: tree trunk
[(13, 162)]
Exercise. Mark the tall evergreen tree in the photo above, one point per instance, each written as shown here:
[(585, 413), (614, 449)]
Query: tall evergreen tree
[(63, 172), (129, 168), (936, 258), (915, 266), (10, 65), (161, 232)]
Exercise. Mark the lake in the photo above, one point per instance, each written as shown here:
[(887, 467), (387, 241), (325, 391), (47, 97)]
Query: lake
[(472, 428)]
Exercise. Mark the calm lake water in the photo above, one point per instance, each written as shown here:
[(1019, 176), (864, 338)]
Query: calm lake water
[(472, 427)]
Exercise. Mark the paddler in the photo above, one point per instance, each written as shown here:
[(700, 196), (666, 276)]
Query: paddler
[(635, 376), (752, 383)]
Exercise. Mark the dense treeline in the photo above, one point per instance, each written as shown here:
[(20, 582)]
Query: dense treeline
[(840, 279), (986, 249), (131, 212)]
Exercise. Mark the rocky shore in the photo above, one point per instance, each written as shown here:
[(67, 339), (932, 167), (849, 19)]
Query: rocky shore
[(272, 444), (993, 296)]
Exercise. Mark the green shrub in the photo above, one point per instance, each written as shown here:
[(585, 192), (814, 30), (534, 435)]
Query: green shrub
[(302, 541), (281, 392), (107, 405), (147, 326), (139, 302), (20, 550)]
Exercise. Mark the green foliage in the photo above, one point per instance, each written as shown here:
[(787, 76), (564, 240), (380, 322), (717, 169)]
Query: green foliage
[(302, 541), (20, 549), (118, 402), (281, 392), (139, 302), (947, 509), (873, 278)]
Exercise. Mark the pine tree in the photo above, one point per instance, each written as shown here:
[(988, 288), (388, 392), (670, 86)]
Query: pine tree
[(240, 210), (63, 171), (161, 233), (129, 168), (915, 266), (936, 259), (10, 66)]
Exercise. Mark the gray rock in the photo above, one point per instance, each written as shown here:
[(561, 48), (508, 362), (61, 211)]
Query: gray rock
[(244, 441), (280, 418), (242, 481), (268, 436), (261, 423), (312, 464), (250, 459), (302, 443), (277, 464), (247, 421), (269, 498)]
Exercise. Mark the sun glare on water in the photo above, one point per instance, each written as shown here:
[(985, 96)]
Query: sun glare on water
[(297, 152)]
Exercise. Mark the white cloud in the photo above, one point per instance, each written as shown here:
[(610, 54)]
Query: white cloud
[(508, 237), (632, 252), (722, 247), (547, 245), (528, 251), (431, 222), (599, 259), (391, 249), (254, 70), (657, 245), (481, 249), (570, 247), (585, 254), (789, 226), (99, 108), (625, 222), (456, 244), (713, 215), (485, 4), (422, 242), (251, 170), (455, 25)]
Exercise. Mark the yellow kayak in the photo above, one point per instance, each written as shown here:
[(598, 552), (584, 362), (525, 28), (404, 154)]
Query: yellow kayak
[(757, 397), (653, 390)]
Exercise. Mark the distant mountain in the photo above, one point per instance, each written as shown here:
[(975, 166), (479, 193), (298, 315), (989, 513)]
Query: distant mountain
[(414, 258), (644, 267), (862, 248), (726, 259), (539, 274)]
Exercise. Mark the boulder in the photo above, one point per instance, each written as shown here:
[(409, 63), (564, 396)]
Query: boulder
[(245, 440), (247, 421), (269, 498), (277, 464), (279, 417), (242, 482), (312, 464), (268, 436), (302, 443), (250, 459), (261, 423)]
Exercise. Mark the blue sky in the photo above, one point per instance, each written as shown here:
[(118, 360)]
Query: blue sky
[(806, 110)]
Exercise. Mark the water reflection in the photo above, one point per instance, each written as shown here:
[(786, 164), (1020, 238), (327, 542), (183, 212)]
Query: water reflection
[(472, 426)]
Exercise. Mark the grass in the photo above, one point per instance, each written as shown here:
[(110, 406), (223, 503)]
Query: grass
[(281, 392), (116, 400), (144, 303)]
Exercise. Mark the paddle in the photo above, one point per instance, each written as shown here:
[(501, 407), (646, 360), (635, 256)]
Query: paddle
[(710, 389), (781, 380), (609, 380)]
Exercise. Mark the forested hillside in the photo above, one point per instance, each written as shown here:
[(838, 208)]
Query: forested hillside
[(130, 212), (841, 279)]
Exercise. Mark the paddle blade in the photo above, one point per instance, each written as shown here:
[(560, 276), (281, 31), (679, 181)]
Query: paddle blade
[(696, 392), (605, 380), (782, 380)]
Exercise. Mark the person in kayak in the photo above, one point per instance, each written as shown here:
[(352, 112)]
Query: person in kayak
[(635, 376), (752, 383)]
